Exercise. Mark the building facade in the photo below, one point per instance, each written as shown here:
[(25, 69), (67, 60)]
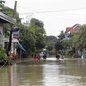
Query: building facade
[(4, 19)]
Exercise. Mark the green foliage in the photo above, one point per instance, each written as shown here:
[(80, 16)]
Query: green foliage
[(75, 40), (49, 48), (50, 39), (27, 39), (62, 35), (78, 39), (8, 11), (82, 40), (33, 36), (38, 32), (3, 55), (59, 45), (50, 43)]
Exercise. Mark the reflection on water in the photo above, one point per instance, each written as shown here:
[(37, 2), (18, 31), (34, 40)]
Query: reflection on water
[(3, 77), (70, 72)]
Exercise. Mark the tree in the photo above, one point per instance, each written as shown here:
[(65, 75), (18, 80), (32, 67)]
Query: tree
[(37, 28), (59, 45), (50, 42), (62, 35), (33, 36), (49, 48), (78, 39), (82, 40)]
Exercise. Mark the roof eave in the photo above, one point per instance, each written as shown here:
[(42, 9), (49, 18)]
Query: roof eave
[(7, 18)]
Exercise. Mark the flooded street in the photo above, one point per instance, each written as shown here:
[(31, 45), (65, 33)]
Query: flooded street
[(70, 72)]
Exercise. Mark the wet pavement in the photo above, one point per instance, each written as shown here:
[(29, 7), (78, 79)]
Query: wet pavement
[(68, 72)]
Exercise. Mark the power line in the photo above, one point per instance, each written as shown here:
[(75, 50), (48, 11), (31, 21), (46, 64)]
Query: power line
[(55, 11)]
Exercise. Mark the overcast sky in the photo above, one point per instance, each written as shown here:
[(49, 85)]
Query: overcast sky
[(55, 14)]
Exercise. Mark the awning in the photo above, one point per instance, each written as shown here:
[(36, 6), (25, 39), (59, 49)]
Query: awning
[(21, 47)]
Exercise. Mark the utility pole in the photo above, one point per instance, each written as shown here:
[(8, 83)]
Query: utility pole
[(15, 10), (11, 68), (10, 38)]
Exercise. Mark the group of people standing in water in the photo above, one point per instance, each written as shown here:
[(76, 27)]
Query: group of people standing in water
[(38, 56), (43, 55)]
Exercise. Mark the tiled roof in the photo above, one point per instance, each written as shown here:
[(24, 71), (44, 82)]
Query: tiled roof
[(73, 28)]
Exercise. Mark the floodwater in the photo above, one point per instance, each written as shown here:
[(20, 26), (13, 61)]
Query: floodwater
[(67, 72)]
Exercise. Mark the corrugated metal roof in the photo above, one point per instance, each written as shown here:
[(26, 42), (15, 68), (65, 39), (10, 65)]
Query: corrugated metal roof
[(7, 19)]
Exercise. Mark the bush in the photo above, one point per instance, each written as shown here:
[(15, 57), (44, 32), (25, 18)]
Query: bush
[(3, 55)]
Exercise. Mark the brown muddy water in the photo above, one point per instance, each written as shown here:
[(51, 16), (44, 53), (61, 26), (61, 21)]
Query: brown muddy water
[(67, 72)]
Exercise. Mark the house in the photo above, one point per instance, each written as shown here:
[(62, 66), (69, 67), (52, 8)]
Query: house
[(70, 30), (75, 28), (5, 19)]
